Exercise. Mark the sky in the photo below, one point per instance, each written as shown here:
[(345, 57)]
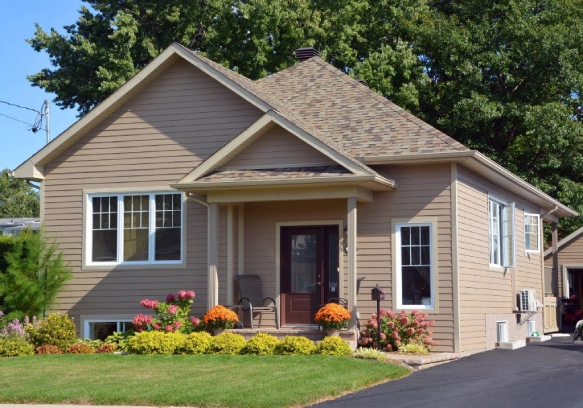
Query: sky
[(18, 60)]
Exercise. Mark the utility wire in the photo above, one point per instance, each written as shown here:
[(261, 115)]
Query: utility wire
[(18, 120), (18, 106)]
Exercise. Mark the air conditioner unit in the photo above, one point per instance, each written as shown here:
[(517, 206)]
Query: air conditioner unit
[(528, 300)]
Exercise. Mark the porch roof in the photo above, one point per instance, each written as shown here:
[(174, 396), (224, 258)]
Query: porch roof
[(275, 173)]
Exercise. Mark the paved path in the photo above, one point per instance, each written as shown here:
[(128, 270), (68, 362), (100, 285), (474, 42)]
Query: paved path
[(543, 375)]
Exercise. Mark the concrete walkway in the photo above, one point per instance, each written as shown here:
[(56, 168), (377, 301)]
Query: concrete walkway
[(539, 375)]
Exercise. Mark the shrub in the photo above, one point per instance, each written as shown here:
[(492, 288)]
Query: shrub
[(156, 342), (16, 328), (219, 317), (57, 329), (15, 347), (172, 315), (106, 348), (80, 348), (120, 339), (197, 343), (34, 275), (227, 343), (369, 353), (332, 316), (413, 348), (398, 329), (262, 344), (48, 349), (295, 345), (334, 346)]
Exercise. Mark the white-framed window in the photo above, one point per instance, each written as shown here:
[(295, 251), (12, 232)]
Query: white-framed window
[(100, 329), (531, 232), (135, 228), (415, 246), (501, 233)]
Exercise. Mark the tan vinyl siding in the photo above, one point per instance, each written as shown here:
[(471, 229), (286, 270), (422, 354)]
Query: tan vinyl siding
[(482, 289), (278, 147), (157, 137), (570, 255)]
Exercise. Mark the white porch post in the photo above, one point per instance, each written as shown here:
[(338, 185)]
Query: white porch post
[(230, 254), (213, 256), (352, 268)]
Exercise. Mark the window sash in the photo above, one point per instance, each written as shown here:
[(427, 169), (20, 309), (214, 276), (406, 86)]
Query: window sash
[(531, 230), (429, 263), (122, 229), (502, 234)]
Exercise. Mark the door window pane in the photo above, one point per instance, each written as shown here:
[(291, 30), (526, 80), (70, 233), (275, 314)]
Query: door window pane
[(303, 263), (333, 264)]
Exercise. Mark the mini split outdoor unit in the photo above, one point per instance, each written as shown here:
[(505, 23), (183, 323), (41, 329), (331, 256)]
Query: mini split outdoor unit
[(528, 300)]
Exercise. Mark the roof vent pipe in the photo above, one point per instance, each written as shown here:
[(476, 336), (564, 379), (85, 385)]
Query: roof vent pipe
[(306, 53)]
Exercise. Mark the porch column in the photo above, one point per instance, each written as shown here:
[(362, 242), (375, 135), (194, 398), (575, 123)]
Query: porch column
[(230, 254), (352, 270), (213, 256), (241, 239)]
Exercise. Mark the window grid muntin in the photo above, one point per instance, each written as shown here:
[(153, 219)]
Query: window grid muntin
[(120, 228)]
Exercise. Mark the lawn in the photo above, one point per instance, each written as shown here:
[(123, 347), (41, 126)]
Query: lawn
[(203, 380)]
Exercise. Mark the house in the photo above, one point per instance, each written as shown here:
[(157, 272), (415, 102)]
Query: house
[(13, 226), (190, 174), (564, 275)]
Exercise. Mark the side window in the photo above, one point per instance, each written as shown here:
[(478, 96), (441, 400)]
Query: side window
[(501, 233), (531, 232), (414, 266)]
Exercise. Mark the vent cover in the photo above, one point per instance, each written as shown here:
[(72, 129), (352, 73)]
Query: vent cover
[(530, 327)]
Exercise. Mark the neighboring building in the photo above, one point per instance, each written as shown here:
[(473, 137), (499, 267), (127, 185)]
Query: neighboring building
[(191, 173), (564, 275), (13, 226)]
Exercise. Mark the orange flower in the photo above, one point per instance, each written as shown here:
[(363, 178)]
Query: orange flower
[(332, 316), (220, 317)]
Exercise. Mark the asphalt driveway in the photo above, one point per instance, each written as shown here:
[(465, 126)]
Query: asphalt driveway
[(546, 375)]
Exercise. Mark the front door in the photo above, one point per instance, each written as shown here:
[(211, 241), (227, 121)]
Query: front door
[(309, 271)]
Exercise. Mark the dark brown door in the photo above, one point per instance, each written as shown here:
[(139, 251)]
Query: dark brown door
[(309, 271)]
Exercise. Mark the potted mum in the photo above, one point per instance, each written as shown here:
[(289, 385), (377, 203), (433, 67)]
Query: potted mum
[(332, 317), (219, 318)]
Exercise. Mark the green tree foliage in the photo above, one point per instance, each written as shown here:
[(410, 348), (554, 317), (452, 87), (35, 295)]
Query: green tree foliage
[(34, 275), (17, 199), (503, 77)]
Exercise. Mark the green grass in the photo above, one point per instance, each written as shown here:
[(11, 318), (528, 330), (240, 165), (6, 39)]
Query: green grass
[(204, 381)]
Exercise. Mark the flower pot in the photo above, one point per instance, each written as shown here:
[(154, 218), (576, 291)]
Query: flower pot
[(218, 331), (333, 332)]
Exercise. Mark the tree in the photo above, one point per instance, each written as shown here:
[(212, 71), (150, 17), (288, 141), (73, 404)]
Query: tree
[(17, 199), (34, 275), (505, 78)]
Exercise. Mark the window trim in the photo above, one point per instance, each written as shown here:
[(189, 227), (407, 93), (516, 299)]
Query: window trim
[(538, 234), (88, 264), (504, 206), (397, 267)]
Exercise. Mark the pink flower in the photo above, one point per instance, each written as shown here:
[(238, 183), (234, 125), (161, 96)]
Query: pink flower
[(194, 320), (169, 328), (383, 312), (173, 309), (170, 298), (149, 304), (391, 314), (410, 331), (185, 295), (416, 323), (404, 320), (157, 326), (177, 324), (383, 336), (395, 334), (391, 325), (397, 343)]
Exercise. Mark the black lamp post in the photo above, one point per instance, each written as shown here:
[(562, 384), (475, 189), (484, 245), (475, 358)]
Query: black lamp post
[(378, 294)]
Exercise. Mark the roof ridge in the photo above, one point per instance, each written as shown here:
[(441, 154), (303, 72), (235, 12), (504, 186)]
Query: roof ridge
[(394, 107)]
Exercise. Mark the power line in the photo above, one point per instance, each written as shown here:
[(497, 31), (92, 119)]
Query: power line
[(18, 120), (18, 106)]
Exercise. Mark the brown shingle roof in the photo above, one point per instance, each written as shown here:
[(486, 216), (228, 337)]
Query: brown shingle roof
[(359, 120), (274, 174)]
